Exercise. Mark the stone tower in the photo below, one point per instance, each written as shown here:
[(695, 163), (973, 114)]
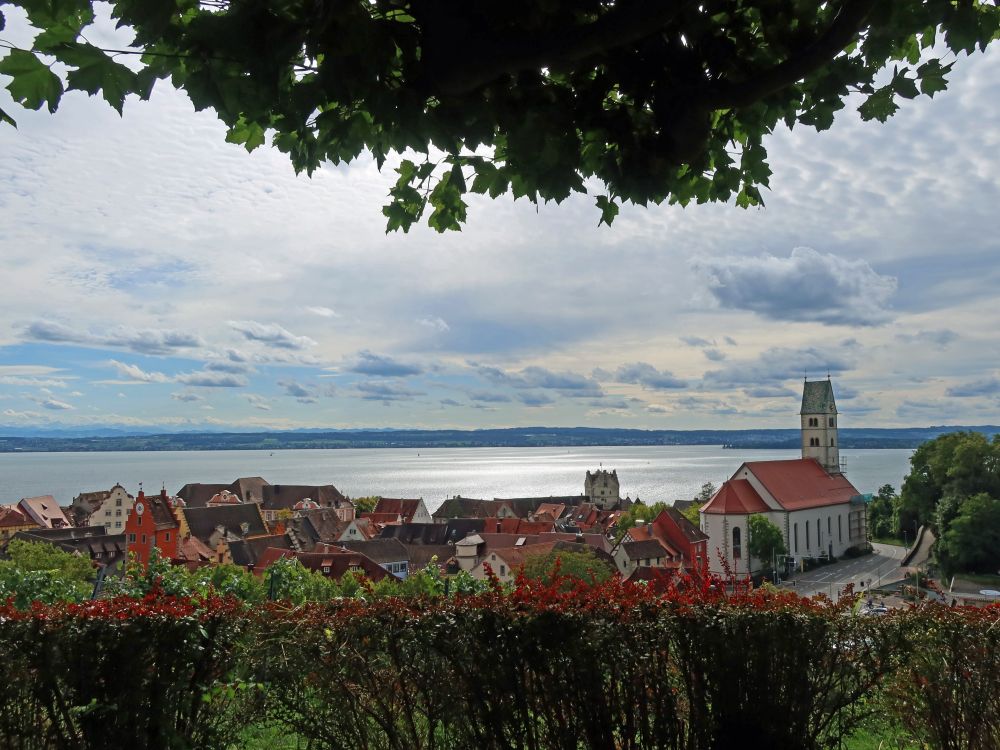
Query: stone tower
[(602, 489), (819, 424)]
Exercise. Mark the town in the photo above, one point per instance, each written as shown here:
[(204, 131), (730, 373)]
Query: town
[(251, 523)]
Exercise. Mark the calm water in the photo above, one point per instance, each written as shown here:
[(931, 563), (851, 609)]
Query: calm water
[(651, 472)]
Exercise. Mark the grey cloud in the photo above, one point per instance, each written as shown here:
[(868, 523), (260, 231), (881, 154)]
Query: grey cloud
[(211, 379), (939, 338), (299, 392), (449, 402), (807, 286), (696, 341), (568, 383), (644, 374), (142, 341), (385, 392), (535, 399), (489, 397), (769, 391), (186, 397), (730, 340), (379, 365), (987, 387), (777, 365), (617, 404), (715, 355), (257, 401), (270, 333), (231, 366), (55, 405)]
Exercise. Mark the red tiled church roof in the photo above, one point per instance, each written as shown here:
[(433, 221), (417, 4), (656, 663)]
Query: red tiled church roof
[(802, 483), (737, 496)]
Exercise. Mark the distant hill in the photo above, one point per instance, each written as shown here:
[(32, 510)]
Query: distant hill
[(514, 437)]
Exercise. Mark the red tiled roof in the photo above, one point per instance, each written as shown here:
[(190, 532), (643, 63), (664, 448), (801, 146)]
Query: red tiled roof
[(736, 496), (404, 507), (13, 517), (802, 483)]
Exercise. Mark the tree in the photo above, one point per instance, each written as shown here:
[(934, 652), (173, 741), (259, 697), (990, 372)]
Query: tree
[(638, 512), (654, 101), (883, 513), (957, 464), (41, 556), (41, 572), (972, 540), (765, 539), (572, 566), (365, 504)]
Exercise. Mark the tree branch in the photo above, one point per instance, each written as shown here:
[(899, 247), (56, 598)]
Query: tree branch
[(480, 59), (849, 21)]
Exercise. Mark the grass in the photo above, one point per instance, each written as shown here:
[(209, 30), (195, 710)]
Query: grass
[(986, 579), (893, 540), (881, 737)]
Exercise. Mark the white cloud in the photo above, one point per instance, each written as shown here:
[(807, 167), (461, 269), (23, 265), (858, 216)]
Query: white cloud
[(270, 333), (142, 341), (134, 372), (323, 312)]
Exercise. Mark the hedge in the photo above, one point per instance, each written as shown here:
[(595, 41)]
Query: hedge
[(528, 667)]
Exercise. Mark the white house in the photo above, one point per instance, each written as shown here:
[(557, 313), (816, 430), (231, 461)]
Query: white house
[(819, 512)]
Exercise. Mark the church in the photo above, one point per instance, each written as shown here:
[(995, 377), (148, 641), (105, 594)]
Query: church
[(819, 512)]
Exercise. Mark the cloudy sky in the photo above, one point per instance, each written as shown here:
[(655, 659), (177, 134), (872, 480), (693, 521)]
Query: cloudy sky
[(154, 275)]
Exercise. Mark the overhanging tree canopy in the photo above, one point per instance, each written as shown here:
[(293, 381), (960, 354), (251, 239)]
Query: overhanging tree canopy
[(653, 99)]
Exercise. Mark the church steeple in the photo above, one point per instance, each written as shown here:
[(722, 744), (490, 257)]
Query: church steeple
[(819, 424)]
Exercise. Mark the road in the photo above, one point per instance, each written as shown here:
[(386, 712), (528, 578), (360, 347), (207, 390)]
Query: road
[(873, 570)]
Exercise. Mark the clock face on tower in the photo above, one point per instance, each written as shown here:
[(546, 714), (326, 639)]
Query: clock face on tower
[(139, 508)]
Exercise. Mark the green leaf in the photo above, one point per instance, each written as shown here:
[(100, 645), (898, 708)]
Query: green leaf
[(250, 134), (932, 76), (32, 82), (64, 31), (609, 210), (96, 71), (4, 117), (879, 106)]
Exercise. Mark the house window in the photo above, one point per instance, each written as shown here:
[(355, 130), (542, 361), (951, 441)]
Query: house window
[(118, 502), (737, 544), (118, 524), (795, 530), (326, 569), (807, 535), (166, 537), (828, 522), (503, 570), (118, 513), (143, 538), (131, 538), (819, 541), (831, 421)]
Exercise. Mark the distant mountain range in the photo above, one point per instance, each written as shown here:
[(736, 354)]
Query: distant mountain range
[(121, 439)]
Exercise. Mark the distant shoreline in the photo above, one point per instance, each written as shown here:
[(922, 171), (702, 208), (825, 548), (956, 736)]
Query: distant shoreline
[(516, 437)]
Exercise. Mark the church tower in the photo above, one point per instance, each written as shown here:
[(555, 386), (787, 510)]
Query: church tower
[(819, 424)]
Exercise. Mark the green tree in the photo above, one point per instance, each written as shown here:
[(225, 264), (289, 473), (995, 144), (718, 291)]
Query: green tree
[(972, 540), (365, 504), (573, 566), (638, 512), (41, 556), (651, 101), (883, 513), (957, 465), (765, 540), (41, 572)]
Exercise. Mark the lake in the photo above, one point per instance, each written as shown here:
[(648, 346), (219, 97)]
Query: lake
[(650, 472)]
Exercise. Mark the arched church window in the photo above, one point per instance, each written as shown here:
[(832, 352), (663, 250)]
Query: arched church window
[(737, 544), (831, 442), (831, 421)]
